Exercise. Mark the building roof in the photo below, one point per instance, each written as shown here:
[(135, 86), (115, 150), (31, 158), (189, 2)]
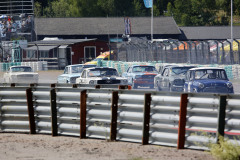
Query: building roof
[(60, 41), (104, 26), (209, 32), (41, 48)]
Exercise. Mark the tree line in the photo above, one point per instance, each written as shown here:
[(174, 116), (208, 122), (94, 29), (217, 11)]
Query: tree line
[(185, 12)]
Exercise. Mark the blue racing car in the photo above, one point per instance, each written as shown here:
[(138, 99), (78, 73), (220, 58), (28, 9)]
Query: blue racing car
[(207, 79)]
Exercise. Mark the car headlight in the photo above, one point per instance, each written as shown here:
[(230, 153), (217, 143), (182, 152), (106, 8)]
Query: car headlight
[(91, 82), (229, 85), (201, 85)]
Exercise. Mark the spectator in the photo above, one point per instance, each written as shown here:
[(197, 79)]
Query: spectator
[(9, 19), (9, 59)]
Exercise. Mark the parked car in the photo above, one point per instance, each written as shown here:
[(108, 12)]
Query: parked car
[(101, 75), (72, 72), (140, 75), (20, 74), (172, 78), (207, 79)]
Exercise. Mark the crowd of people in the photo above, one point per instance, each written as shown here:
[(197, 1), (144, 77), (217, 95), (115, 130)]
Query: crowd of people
[(10, 25)]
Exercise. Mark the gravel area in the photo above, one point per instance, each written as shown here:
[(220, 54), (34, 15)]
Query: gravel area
[(45, 147)]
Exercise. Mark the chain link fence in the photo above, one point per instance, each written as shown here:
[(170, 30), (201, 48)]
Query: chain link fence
[(173, 51)]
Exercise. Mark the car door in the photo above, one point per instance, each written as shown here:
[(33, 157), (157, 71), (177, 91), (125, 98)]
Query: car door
[(185, 87), (128, 75), (188, 81), (164, 81), (82, 78)]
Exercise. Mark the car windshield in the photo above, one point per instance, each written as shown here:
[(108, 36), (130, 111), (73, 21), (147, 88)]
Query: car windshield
[(144, 69), (77, 69), (179, 70), (210, 74), (21, 69), (102, 73)]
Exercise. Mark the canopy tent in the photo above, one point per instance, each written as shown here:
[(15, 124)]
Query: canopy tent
[(181, 46), (234, 47)]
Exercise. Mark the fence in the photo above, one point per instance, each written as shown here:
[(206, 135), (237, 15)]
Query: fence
[(36, 66), (160, 118), (232, 71), (174, 51)]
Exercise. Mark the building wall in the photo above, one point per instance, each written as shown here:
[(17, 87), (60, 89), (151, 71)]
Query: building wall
[(78, 49)]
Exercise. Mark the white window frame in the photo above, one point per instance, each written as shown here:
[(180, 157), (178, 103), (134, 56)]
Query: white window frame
[(89, 47)]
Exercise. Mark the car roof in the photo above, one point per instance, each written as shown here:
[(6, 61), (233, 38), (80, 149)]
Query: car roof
[(20, 66), (200, 68), (173, 66), (100, 68), (137, 65), (80, 65)]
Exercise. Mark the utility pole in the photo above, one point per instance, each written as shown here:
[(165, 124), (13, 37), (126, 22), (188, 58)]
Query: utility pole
[(231, 22)]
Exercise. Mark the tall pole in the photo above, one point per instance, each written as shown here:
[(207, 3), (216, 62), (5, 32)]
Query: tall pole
[(231, 22), (152, 23)]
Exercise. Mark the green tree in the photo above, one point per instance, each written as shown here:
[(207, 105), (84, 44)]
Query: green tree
[(194, 12), (37, 9), (61, 8), (139, 8)]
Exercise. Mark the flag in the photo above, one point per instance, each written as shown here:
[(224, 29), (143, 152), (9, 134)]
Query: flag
[(148, 3), (127, 26)]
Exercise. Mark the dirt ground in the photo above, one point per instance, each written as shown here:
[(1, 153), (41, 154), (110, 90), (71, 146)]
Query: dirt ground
[(45, 147)]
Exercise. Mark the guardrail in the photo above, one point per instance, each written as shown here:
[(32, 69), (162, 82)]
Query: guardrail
[(147, 117)]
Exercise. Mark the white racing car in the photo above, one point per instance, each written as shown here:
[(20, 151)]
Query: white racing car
[(20, 74), (101, 75)]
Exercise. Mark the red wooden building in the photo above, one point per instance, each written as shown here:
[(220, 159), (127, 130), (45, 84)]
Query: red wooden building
[(59, 53)]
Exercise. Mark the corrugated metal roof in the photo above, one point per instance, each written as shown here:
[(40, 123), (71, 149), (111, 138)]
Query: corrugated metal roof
[(210, 32), (104, 26), (60, 42), (41, 48)]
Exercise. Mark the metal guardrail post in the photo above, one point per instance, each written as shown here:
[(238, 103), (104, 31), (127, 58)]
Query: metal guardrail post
[(182, 121), (114, 115), (97, 87), (123, 87), (74, 86), (54, 112), (221, 116), (31, 118), (53, 85), (146, 118), (12, 85), (83, 113)]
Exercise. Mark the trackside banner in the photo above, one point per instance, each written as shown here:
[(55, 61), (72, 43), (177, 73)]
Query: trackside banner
[(148, 3)]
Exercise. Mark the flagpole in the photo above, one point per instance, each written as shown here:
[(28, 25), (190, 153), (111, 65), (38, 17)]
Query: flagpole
[(231, 22), (152, 23)]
